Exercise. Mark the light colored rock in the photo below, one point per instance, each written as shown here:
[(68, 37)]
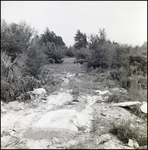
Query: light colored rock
[(55, 141), (59, 99), (64, 118), (144, 108), (130, 143), (138, 120), (136, 145), (39, 92), (133, 143), (12, 133), (124, 104), (102, 92)]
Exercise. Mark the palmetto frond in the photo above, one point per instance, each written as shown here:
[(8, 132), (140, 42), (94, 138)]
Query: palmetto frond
[(9, 69)]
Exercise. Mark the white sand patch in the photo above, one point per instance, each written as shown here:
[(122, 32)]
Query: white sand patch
[(37, 144), (102, 92), (119, 90), (70, 75), (59, 99), (17, 120)]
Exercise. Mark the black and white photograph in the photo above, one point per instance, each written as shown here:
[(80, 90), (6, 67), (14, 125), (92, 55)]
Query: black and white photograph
[(73, 74)]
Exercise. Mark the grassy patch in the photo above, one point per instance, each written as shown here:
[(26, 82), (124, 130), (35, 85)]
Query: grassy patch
[(117, 98), (124, 132)]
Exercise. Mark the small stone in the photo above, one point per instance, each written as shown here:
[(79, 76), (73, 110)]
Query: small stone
[(56, 141), (12, 133), (131, 143), (144, 108), (136, 145), (138, 120), (103, 114)]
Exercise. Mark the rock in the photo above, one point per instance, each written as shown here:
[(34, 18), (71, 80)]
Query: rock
[(136, 145), (56, 141), (102, 92), (125, 104), (12, 133), (144, 108), (103, 114), (139, 121), (75, 100), (103, 138), (44, 101), (39, 92), (131, 143)]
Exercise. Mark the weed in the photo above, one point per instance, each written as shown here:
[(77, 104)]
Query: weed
[(117, 98), (137, 111), (124, 133)]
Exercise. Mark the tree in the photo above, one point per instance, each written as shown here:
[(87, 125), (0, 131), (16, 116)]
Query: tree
[(93, 41), (16, 38), (50, 36), (102, 37), (36, 58), (80, 40)]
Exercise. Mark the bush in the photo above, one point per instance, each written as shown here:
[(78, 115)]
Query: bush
[(69, 53), (36, 58), (16, 38), (124, 132), (83, 53), (117, 98)]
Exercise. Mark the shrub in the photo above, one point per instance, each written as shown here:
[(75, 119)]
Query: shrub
[(117, 98), (36, 58), (69, 53), (51, 60), (124, 132), (83, 53)]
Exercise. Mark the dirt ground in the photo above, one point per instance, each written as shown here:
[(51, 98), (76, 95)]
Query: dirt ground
[(76, 114)]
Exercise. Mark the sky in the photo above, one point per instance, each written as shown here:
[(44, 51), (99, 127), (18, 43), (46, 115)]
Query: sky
[(125, 22)]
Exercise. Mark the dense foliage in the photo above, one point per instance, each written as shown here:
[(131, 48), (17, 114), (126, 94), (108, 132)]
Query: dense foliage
[(127, 64), (24, 53), (80, 40)]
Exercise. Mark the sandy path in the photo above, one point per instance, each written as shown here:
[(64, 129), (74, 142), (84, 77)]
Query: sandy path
[(57, 122), (24, 119)]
